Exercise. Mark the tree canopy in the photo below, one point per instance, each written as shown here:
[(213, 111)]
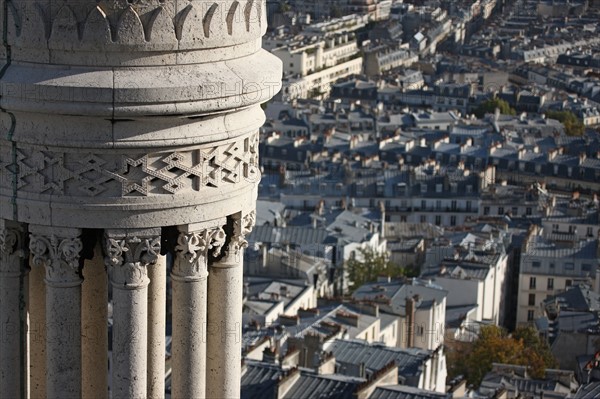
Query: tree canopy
[(524, 348), (573, 125), (370, 265), (489, 107)]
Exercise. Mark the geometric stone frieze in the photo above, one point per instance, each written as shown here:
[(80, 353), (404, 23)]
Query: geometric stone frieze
[(119, 175)]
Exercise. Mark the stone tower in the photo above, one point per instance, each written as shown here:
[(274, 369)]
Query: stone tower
[(128, 135)]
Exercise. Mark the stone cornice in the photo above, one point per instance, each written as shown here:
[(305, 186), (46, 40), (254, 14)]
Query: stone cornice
[(144, 26)]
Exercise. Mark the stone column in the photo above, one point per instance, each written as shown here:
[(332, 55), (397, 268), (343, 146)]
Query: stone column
[(189, 276), (11, 333), (224, 331), (129, 253), (58, 249), (37, 332), (94, 344), (157, 318)]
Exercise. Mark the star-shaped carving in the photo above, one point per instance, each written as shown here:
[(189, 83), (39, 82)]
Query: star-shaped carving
[(134, 176)]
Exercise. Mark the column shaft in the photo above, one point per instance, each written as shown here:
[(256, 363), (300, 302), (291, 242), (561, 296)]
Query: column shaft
[(37, 333), (94, 344), (11, 334), (129, 253), (189, 279), (129, 349), (157, 298), (224, 330), (63, 342), (58, 251)]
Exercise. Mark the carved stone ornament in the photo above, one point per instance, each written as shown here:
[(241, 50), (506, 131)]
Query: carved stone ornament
[(10, 247), (60, 256), (242, 227), (119, 175), (192, 249), (129, 257)]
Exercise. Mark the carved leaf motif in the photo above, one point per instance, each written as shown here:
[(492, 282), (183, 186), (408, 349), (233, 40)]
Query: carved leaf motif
[(161, 28), (64, 28), (9, 238), (217, 241), (97, 28), (130, 29), (115, 249), (191, 245)]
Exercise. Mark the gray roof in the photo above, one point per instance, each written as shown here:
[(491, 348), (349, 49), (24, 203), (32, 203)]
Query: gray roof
[(588, 391), (333, 386), (259, 380), (375, 357), (290, 234), (405, 392), (398, 291)]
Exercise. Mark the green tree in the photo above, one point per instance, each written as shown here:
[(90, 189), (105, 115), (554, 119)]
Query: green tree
[(370, 265), (573, 125), (495, 345), (489, 107)]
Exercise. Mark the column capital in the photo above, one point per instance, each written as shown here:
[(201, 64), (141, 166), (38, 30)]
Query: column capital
[(57, 249), (129, 253), (11, 245), (242, 226), (192, 250)]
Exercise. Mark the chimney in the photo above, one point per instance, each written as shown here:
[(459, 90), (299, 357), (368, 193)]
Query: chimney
[(410, 321), (287, 381), (388, 375)]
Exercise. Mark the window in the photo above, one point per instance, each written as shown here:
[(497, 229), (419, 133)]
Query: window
[(452, 220), (423, 219), (438, 220), (453, 205), (586, 267), (590, 231), (569, 266), (550, 283), (468, 206), (554, 228), (501, 210), (528, 211), (486, 210), (423, 204), (531, 301), (515, 211), (535, 264), (438, 205), (419, 330), (530, 315), (568, 283), (532, 282)]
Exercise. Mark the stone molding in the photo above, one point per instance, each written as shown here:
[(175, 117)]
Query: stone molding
[(192, 251), (11, 246), (119, 175), (153, 25), (129, 256), (60, 254)]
